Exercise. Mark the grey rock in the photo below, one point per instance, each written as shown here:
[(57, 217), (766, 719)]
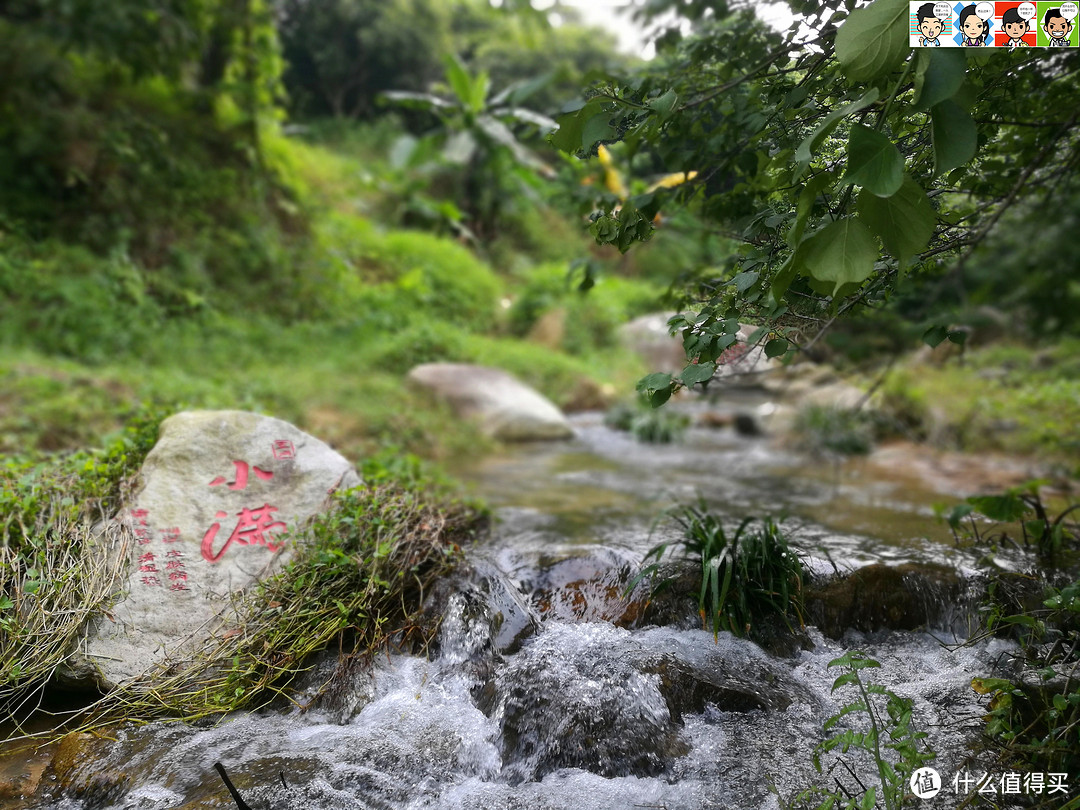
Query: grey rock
[(221, 491), (503, 406)]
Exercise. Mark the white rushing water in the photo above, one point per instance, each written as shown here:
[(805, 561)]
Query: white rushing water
[(530, 702)]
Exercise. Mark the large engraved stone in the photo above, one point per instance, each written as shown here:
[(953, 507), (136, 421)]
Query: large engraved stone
[(221, 491)]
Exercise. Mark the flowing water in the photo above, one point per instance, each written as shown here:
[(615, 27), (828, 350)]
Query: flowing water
[(549, 689)]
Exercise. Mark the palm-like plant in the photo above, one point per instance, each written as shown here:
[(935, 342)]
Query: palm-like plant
[(479, 133)]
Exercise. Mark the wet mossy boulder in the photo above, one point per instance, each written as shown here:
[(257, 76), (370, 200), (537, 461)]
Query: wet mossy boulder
[(883, 597)]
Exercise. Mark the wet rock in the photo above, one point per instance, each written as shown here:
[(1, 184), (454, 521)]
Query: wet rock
[(494, 601), (582, 706), (648, 337), (75, 772), (221, 490), (588, 587), (880, 597), (689, 688), (503, 406)]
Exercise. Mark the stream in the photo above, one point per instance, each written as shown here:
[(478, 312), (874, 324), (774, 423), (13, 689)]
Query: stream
[(550, 688)]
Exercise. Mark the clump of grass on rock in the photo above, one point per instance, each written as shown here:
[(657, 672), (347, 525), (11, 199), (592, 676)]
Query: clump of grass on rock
[(359, 576)]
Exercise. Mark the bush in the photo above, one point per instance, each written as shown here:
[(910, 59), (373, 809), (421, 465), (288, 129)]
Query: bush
[(66, 300), (838, 430), (592, 318), (651, 425)]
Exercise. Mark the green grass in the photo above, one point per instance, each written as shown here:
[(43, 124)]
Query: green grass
[(1008, 398), (748, 576)]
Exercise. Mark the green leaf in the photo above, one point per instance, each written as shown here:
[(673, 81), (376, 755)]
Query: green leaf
[(697, 373), (874, 162), (580, 129), (745, 280), (904, 222), (842, 253), (954, 135), (1005, 508), (459, 80), (825, 126), (939, 72), (807, 197), (873, 40), (656, 388), (935, 335), (664, 105), (776, 347)]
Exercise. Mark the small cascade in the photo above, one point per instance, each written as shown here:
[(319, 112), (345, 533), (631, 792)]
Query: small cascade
[(555, 682)]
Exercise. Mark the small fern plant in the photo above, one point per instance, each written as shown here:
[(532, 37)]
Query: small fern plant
[(875, 721)]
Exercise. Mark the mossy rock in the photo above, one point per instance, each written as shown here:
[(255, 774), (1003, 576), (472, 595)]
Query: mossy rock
[(882, 597)]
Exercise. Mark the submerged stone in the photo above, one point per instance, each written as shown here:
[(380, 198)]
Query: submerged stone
[(221, 491)]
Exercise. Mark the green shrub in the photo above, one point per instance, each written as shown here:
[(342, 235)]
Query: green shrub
[(592, 317), (66, 300), (436, 276), (1033, 717), (838, 430), (878, 723), (650, 425), (425, 342), (747, 577)]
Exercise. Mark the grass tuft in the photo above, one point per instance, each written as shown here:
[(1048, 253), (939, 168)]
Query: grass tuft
[(747, 576)]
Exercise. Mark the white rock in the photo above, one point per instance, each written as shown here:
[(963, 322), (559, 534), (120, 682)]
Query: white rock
[(221, 489), (503, 406)]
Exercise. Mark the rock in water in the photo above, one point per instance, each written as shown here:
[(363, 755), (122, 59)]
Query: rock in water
[(504, 407), (221, 490)]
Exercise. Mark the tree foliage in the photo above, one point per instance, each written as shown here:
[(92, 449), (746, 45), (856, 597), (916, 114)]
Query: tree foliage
[(851, 169)]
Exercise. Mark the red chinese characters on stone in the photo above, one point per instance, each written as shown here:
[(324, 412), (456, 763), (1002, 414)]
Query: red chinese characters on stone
[(253, 527), (732, 354), (283, 449), (241, 480)]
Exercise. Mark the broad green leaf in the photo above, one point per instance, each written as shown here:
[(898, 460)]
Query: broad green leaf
[(904, 222), (933, 336), (1000, 507), (842, 253), (825, 126), (580, 129), (776, 347), (784, 276), (954, 135), (745, 280), (656, 388), (459, 79), (664, 105), (939, 72), (874, 162), (697, 373), (873, 40)]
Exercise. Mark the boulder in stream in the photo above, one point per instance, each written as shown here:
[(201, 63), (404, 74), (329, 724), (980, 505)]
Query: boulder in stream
[(220, 492), (503, 406)]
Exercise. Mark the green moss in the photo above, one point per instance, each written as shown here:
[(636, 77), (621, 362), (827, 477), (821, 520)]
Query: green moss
[(592, 318)]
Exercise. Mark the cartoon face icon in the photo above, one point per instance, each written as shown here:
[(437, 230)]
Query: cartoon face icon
[(1057, 27), (973, 27), (1015, 30), (931, 27)]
